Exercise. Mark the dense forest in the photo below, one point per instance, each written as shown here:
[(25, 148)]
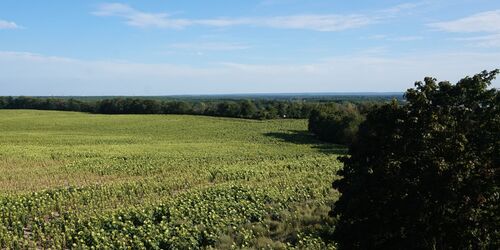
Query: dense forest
[(243, 108)]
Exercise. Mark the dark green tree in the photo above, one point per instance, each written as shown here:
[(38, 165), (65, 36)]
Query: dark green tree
[(177, 107), (247, 109), (337, 123), (425, 175), (4, 102), (228, 108)]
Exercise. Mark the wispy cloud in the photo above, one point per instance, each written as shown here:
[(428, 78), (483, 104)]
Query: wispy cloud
[(402, 7), (487, 41), (481, 22), (314, 22), (5, 25), (137, 18), (484, 22)]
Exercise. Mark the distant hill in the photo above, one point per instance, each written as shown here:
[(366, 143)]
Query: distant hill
[(338, 96)]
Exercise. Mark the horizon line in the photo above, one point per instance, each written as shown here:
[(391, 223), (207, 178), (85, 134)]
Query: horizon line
[(341, 93)]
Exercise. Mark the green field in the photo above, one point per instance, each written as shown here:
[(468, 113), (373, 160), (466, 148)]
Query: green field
[(74, 180)]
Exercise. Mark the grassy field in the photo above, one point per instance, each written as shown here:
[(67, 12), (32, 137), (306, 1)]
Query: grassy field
[(74, 180)]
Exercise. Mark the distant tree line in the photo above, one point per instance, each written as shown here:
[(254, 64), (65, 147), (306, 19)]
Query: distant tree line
[(251, 109)]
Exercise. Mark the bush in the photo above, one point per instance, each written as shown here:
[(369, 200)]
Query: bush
[(425, 175)]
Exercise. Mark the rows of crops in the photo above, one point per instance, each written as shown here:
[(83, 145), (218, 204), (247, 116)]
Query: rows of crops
[(74, 180)]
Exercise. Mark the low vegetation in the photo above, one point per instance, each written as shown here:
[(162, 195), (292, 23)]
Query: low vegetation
[(76, 180)]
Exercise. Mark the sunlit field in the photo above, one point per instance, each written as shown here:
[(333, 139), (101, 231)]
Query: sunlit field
[(72, 179)]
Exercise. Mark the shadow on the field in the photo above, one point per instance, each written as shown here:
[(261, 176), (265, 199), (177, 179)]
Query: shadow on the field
[(332, 148), (304, 137)]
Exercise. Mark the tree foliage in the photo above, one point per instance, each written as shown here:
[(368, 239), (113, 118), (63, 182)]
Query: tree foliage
[(425, 175), (244, 108), (337, 124)]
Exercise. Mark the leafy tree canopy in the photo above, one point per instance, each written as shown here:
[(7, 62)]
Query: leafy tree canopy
[(424, 175), (337, 124)]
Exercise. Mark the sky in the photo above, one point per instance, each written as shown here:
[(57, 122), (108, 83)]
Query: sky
[(167, 47)]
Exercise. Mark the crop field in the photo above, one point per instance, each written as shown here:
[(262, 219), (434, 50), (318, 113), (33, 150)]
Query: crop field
[(77, 180)]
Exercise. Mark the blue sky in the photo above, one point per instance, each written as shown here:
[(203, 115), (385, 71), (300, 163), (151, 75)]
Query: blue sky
[(165, 47)]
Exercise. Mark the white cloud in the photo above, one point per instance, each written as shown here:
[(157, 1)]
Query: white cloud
[(487, 41), (403, 7), (488, 21), (33, 74), (316, 22), (138, 18), (8, 25), (485, 22)]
